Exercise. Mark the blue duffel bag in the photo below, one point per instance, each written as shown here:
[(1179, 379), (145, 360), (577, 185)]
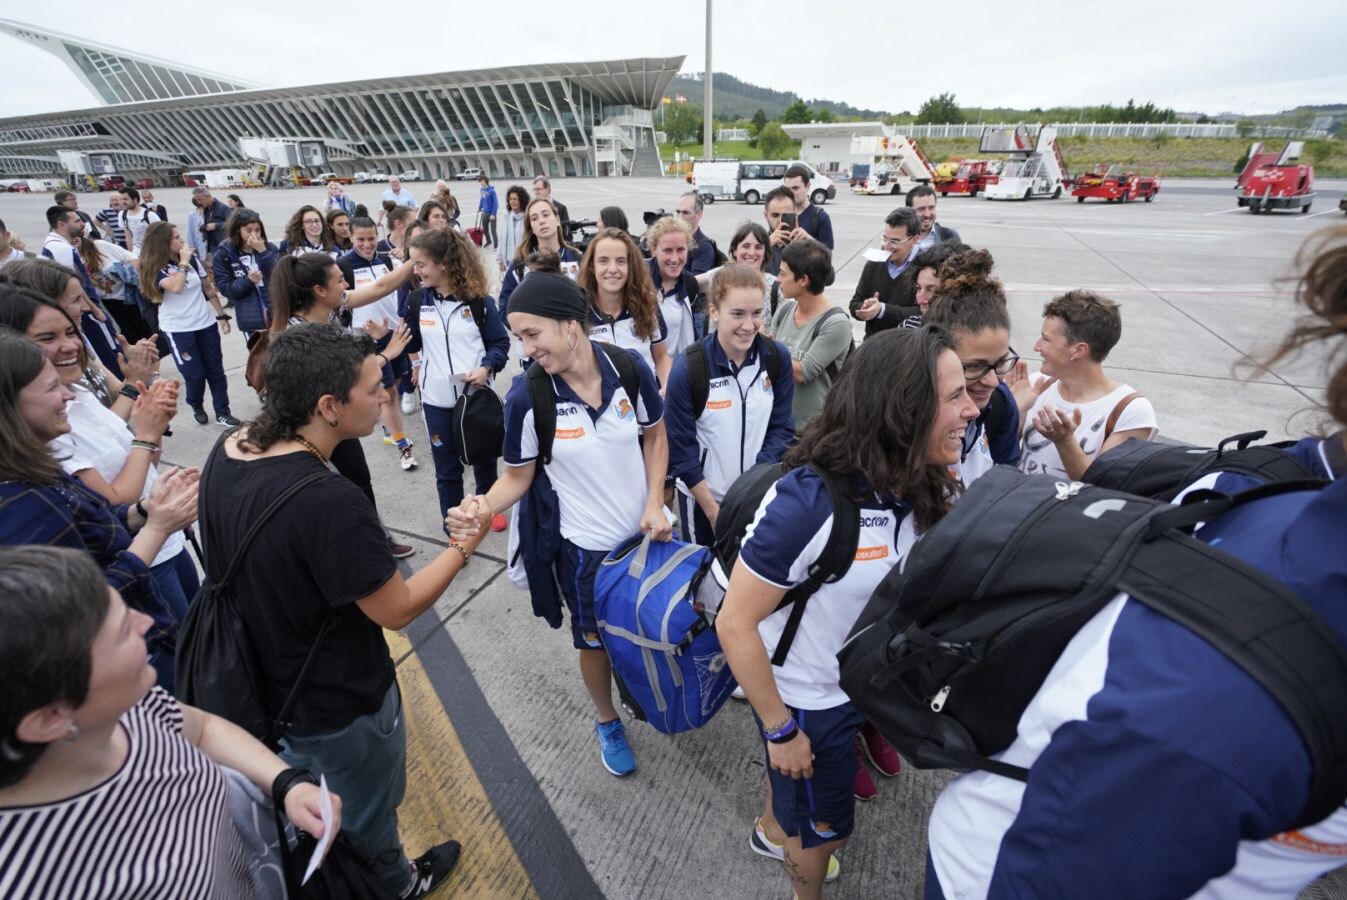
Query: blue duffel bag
[(665, 653)]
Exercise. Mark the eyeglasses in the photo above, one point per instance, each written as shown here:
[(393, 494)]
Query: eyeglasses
[(1003, 366), (313, 221), (898, 242)]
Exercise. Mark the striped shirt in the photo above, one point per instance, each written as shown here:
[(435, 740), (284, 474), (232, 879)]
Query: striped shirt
[(158, 828)]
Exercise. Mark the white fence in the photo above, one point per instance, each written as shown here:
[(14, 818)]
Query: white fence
[(1065, 129)]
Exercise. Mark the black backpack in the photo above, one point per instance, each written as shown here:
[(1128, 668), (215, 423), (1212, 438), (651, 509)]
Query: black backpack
[(952, 647), (737, 511), (699, 372), (543, 398), (217, 666), (1161, 471), (833, 368)]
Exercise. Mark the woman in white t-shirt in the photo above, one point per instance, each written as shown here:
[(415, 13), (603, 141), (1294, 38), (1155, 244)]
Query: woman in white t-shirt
[(1071, 410), (172, 277), (748, 247), (108, 786)]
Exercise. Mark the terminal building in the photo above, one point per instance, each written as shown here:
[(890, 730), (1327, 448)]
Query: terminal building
[(159, 119)]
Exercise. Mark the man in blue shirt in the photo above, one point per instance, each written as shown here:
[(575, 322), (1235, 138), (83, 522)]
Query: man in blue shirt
[(487, 207), (396, 194)]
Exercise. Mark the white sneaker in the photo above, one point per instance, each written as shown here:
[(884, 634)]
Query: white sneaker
[(408, 461), (409, 402), (738, 693)]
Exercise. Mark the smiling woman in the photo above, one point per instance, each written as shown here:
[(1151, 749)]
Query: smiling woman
[(41, 504)]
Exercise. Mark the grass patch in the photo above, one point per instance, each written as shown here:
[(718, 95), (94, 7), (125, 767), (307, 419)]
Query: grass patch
[(1181, 157)]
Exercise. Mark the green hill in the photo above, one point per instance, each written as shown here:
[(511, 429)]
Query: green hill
[(735, 99)]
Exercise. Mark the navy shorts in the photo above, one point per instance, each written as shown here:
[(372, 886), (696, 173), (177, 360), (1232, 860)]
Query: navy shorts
[(821, 808), (576, 568)]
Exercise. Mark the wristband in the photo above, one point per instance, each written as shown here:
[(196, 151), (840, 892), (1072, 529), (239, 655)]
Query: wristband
[(384, 359), (223, 318), (130, 391), (781, 733), (283, 782), (140, 508), (417, 363), (144, 445)]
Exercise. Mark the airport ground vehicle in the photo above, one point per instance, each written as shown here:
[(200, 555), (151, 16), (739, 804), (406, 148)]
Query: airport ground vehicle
[(325, 177), (1276, 181), (749, 181), (410, 175), (1033, 169), (897, 165), (715, 179), (466, 175), (964, 176), (1110, 183), (111, 183)]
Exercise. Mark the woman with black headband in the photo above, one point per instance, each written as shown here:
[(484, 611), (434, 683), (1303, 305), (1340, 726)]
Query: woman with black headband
[(607, 461)]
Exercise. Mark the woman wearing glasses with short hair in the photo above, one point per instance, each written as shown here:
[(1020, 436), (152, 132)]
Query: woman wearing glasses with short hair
[(308, 232)]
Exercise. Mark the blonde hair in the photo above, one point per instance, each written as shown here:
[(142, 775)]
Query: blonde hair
[(665, 226)]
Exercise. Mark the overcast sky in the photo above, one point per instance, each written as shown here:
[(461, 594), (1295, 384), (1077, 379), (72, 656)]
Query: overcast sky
[(1195, 55)]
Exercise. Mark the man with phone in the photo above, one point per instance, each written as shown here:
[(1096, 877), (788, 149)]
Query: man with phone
[(810, 219), (883, 297), (777, 205)]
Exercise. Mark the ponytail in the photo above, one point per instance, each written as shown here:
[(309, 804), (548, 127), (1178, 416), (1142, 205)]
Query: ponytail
[(292, 283)]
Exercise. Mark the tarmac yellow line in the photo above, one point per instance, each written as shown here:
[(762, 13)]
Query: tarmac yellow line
[(445, 799)]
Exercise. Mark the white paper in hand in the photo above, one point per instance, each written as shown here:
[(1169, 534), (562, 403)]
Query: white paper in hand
[(875, 254), (324, 813)]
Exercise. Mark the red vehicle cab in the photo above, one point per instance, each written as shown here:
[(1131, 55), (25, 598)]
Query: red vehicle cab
[(971, 177), (1111, 183)]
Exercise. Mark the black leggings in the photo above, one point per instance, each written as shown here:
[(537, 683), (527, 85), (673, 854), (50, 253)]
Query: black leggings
[(348, 458)]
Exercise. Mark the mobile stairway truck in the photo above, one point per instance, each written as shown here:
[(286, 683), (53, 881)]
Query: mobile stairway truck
[(1273, 181), (1033, 169)]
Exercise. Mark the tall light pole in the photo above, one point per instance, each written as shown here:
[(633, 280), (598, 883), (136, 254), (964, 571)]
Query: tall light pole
[(706, 91)]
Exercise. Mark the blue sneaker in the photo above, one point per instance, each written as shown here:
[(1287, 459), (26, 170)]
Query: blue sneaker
[(614, 749)]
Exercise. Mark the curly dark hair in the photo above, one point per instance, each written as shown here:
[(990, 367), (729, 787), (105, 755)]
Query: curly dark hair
[(294, 229), (304, 364), (965, 269), (877, 420)]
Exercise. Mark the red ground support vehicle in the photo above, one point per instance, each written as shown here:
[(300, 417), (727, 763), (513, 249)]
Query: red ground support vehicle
[(145, 184), (1272, 181), (971, 177), (1110, 183), (112, 183)]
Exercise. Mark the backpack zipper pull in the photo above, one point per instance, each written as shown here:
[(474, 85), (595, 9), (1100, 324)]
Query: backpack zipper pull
[(938, 701), (1068, 489)]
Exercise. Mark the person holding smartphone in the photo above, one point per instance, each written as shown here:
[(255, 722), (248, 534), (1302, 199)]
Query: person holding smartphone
[(777, 203)]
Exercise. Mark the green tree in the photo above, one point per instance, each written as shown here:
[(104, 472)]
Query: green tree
[(773, 141), (681, 121), (1244, 128), (759, 122), (940, 110), (823, 114), (796, 114)]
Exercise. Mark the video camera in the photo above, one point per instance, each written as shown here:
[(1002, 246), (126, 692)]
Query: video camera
[(653, 215), (579, 232)]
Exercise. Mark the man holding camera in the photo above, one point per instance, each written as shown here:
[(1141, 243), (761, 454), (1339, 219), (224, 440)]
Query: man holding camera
[(778, 208), (214, 214)]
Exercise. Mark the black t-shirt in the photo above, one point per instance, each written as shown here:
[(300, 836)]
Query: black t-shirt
[(324, 549)]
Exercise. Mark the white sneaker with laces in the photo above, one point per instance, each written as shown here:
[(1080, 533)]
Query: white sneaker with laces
[(409, 403), (408, 461)]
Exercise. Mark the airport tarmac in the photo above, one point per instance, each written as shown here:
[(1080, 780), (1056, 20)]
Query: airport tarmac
[(501, 749)]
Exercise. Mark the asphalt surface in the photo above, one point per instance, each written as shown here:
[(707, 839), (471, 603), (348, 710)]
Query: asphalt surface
[(501, 748)]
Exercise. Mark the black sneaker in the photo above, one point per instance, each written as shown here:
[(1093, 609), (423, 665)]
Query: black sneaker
[(400, 551), (199, 414), (432, 869), (226, 420)]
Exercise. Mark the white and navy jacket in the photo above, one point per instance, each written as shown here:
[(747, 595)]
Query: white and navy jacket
[(446, 335), (517, 272), (358, 272), (679, 307), (620, 331), (1157, 766), (747, 419)]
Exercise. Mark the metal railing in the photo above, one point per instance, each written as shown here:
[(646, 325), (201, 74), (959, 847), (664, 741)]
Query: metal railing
[(1066, 129)]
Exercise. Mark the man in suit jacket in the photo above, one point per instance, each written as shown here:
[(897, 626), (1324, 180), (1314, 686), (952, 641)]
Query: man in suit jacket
[(922, 200), (885, 296)]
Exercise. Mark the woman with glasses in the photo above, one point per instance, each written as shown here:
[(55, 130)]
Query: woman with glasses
[(972, 308), (308, 232), (1071, 409)]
